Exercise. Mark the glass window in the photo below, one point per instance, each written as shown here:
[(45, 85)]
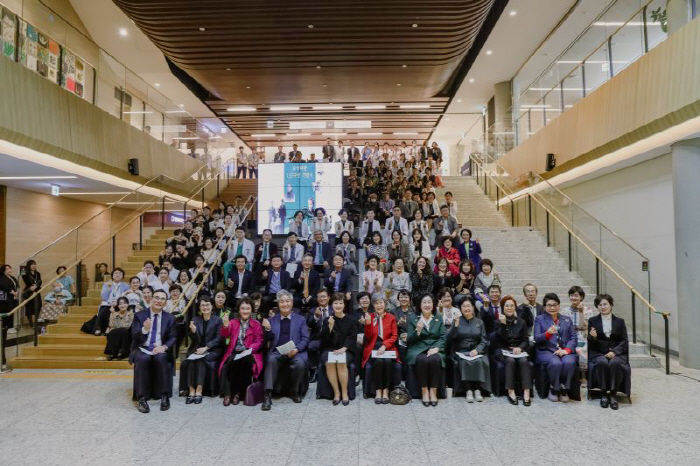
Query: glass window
[(656, 29), (597, 69), (627, 44), (572, 88)]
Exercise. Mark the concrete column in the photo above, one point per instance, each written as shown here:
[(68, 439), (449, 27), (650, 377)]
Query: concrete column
[(685, 158), (677, 14), (503, 101)]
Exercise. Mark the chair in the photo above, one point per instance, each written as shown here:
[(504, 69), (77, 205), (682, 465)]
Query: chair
[(542, 383), (323, 386), (626, 383)]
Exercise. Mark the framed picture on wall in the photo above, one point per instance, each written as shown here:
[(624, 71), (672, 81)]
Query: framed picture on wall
[(8, 33)]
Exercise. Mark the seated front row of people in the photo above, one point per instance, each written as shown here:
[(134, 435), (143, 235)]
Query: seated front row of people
[(226, 355)]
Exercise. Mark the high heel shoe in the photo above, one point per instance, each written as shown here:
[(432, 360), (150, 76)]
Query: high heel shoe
[(377, 401), (336, 402), (433, 403), (189, 400), (513, 401), (527, 402), (426, 403), (345, 402)]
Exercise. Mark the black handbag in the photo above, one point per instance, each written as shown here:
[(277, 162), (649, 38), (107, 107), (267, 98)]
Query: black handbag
[(399, 396)]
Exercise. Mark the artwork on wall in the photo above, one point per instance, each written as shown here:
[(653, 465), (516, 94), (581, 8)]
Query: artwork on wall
[(8, 33)]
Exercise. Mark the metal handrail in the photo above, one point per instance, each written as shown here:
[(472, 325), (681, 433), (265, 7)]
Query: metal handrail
[(634, 292), (127, 222)]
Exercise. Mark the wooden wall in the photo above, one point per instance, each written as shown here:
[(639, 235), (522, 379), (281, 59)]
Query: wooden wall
[(658, 91), (34, 220)]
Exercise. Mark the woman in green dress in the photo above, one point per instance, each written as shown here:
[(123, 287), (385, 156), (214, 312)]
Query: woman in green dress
[(426, 349)]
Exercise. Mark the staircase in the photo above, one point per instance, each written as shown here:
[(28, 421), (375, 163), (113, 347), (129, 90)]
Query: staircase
[(243, 188), (64, 346), (520, 254)]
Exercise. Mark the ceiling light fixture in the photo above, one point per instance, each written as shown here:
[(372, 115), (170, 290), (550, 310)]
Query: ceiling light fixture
[(414, 106), (247, 87), (318, 67), (489, 52), (327, 107), (298, 134), (157, 84), (370, 107), (283, 108), (471, 80), (123, 32), (404, 66), (459, 101), (369, 134), (311, 26), (263, 135), (414, 25), (398, 84), (241, 108), (81, 193), (52, 177), (202, 29), (513, 12), (407, 133), (186, 138)]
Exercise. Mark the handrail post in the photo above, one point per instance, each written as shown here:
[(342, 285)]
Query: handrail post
[(547, 219), (529, 209), (668, 359), (202, 197), (114, 251), (512, 213), (634, 318), (571, 264), (218, 191), (79, 283), (141, 232), (497, 196), (3, 370), (597, 275)]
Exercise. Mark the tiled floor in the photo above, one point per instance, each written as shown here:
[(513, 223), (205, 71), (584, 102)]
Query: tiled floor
[(91, 421)]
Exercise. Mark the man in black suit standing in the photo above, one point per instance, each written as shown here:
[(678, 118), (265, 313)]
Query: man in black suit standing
[(328, 151), (280, 156), (352, 151), (153, 336), (294, 153)]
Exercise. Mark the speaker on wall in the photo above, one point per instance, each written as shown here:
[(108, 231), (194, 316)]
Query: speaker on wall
[(551, 162), (133, 166)]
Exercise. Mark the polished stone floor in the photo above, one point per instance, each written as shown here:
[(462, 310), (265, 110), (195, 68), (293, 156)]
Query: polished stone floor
[(76, 418)]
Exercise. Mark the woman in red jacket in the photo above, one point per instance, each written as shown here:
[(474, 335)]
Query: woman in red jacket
[(380, 337), (451, 254), (244, 336)]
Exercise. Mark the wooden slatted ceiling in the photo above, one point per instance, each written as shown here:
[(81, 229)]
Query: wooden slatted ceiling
[(262, 53)]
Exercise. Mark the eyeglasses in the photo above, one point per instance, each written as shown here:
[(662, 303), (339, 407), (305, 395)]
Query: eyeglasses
[(551, 306)]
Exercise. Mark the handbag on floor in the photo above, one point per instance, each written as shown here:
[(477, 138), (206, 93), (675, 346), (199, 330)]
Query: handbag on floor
[(51, 311), (399, 396), (254, 394)]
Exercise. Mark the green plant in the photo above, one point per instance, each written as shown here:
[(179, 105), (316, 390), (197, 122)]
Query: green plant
[(660, 16)]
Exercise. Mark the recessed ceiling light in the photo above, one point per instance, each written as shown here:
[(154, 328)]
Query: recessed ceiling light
[(247, 87), (489, 52), (52, 177), (282, 108), (202, 29), (181, 105), (157, 84), (471, 80), (228, 69), (241, 108), (262, 135), (399, 84), (318, 67), (414, 106), (325, 85), (414, 25), (404, 66), (513, 12), (459, 101), (370, 107), (311, 26), (123, 32)]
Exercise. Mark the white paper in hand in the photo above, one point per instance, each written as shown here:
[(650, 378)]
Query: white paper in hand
[(386, 355), (291, 268), (286, 348), (466, 357), (195, 356), (510, 354), (243, 354), (337, 358), (150, 353)]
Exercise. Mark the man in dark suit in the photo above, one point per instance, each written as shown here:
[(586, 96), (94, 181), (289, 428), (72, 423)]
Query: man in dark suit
[(263, 252), (153, 336), (280, 156), (241, 282), (337, 278), (320, 250), (328, 151), (491, 314), (530, 309), (294, 154), (281, 329), (306, 283), (276, 279), (352, 151), (315, 322)]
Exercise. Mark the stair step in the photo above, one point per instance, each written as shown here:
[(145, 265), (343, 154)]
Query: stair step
[(72, 339), (94, 351), (67, 362)]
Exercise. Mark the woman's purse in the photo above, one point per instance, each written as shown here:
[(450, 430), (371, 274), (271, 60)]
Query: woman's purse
[(399, 396), (254, 394)]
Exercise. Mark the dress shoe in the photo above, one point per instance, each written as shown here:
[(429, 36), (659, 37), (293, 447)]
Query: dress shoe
[(527, 402), (564, 398), (227, 401), (477, 396), (189, 400), (613, 403), (378, 401), (604, 401), (143, 406), (513, 401), (165, 403), (336, 402), (267, 403), (296, 398), (426, 404), (470, 396), (121, 356), (312, 379), (198, 399), (553, 397), (236, 399), (346, 402), (433, 403), (385, 401), (112, 358)]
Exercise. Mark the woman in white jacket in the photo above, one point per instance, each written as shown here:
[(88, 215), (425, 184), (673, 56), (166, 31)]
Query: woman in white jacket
[(419, 246)]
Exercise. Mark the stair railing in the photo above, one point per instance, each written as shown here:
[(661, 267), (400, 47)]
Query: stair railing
[(499, 187), (78, 244)]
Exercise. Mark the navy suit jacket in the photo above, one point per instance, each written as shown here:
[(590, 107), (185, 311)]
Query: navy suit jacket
[(298, 333), (564, 338), (285, 280), (344, 285), (325, 250), (272, 250), (314, 325), (314, 282), (248, 283), (167, 332), (523, 311)]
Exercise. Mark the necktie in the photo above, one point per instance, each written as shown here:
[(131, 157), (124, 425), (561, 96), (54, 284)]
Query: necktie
[(495, 312), (293, 257), (370, 227), (319, 254), (154, 329), (239, 251), (264, 254), (306, 284)]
